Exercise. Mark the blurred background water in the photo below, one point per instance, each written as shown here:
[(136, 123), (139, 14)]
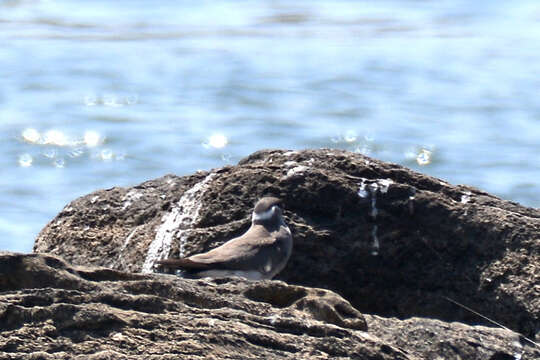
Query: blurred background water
[(112, 93)]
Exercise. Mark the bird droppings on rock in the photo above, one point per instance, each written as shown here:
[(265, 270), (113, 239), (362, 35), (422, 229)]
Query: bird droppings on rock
[(370, 189), (132, 195), (296, 171), (176, 223), (466, 197)]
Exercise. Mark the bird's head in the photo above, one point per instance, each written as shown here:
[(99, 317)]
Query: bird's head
[(267, 210)]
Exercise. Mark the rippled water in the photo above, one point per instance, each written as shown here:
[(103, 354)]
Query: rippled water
[(100, 94)]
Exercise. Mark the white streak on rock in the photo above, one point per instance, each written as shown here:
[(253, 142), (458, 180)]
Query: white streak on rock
[(296, 170), (374, 210), (290, 163), (375, 246), (362, 192), (373, 188), (128, 240), (121, 255), (466, 197), (370, 190), (384, 184), (177, 223), (290, 153), (131, 196)]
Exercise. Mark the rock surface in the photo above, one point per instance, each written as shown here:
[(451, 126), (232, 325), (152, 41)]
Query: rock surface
[(51, 310), (50, 307), (393, 242)]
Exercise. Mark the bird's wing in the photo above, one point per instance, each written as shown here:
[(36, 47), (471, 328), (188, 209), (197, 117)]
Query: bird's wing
[(237, 254), (184, 263)]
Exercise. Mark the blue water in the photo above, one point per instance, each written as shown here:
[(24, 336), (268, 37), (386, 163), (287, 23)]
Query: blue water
[(100, 94)]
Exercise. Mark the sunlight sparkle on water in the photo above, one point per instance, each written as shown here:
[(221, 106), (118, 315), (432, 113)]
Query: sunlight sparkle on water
[(76, 152), (424, 157), (112, 101), (217, 141), (226, 157), (50, 153), (25, 160), (90, 100), (55, 137), (92, 138), (106, 154), (31, 135), (59, 163), (350, 136), (132, 99)]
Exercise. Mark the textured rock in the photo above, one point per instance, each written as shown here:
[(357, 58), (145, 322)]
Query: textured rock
[(51, 310), (435, 339), (393, 242)]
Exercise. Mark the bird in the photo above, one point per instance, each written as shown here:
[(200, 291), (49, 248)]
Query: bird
[(260, 253)]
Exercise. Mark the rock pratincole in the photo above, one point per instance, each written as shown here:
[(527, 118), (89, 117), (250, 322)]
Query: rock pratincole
[(260, 253)]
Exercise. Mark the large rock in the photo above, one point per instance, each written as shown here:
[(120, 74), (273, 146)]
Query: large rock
[(393, 242), (51, 310)]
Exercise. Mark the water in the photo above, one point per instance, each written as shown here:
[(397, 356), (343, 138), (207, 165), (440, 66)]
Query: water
[(100, 94)]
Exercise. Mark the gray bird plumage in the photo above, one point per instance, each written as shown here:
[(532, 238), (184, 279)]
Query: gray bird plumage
[(260, 253)]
